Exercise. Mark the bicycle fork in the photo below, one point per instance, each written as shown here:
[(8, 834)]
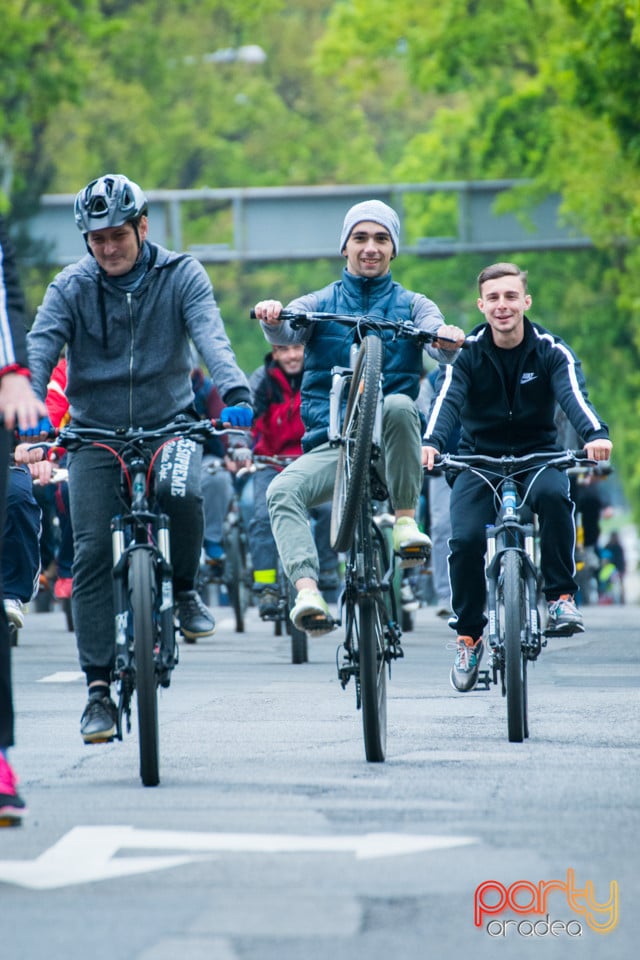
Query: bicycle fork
[(531, 634), (165, 648)]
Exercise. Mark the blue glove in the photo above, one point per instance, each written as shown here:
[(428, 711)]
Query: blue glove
[(240, 416), (44, 427)]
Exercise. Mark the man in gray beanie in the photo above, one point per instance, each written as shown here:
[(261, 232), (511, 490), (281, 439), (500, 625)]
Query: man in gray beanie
[(369, 241), (374, 211)]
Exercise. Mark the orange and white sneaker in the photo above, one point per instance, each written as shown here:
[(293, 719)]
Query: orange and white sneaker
[(563, 617), (464, 672)]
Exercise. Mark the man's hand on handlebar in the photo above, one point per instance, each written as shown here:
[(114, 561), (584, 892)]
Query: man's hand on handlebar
[(429, 455), (29, 453), (599, 449), (269, 312), (452, 337)]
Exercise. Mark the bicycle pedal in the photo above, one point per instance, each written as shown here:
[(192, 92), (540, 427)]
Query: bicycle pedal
[(565, 630), (413, 556), (318, 626), (484, 680)]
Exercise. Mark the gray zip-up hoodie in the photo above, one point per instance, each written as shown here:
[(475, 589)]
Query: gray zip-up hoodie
[(128, 353)]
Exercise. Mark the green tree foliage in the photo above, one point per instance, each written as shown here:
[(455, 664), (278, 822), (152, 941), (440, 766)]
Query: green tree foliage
[(42, 64), (543, 89), (357, 91)]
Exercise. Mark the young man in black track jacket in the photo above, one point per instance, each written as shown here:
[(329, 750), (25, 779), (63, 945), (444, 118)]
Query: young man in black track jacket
[(504, 389)]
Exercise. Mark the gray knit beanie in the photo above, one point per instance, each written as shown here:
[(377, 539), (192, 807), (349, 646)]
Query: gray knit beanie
[(377, 212)]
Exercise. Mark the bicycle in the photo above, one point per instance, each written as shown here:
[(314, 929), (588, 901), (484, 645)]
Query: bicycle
[(367, 602), (59, 476), (283, 587), (233, 571), (146, 649), (516, 635)]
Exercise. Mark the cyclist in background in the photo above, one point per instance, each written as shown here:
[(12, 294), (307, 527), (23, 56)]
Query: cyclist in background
[(127, 312), (21, 545), (18, 407), (369, 241), (277, 431), (504, 389)]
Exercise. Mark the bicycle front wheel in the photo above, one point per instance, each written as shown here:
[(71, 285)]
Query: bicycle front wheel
[(515, 621), (142, 589), (372, 644), (355, 451)]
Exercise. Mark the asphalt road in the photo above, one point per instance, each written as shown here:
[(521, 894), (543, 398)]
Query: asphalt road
[(271, 838)]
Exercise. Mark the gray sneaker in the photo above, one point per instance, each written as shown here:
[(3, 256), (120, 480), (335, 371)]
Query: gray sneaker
[(194, 618), (99, 718), (563, 617)]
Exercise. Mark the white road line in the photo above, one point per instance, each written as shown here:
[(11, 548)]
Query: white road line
[(63, 676), (87, 854)]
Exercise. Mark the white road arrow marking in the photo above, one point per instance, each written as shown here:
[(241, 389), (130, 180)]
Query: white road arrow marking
[(87, 854)]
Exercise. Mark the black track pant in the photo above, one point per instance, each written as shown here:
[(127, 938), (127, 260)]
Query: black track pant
[(472, 508)]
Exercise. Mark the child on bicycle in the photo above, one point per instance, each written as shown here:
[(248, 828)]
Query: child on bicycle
[(369, 241), (504, 389)]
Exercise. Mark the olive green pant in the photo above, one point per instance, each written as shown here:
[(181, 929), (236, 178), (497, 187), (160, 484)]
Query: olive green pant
[(310, 481)]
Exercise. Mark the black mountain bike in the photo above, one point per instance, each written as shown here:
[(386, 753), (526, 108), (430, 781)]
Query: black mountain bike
[(367, 603), (146, 650), (515, 628), (234, 570)]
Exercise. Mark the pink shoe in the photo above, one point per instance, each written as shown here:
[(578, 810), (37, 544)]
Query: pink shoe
[(62, 588), (12, 806)]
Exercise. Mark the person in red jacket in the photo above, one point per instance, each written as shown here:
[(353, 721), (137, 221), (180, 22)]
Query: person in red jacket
[(277, 431)]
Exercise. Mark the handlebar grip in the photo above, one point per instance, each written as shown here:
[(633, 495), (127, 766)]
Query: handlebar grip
[(252, 314)]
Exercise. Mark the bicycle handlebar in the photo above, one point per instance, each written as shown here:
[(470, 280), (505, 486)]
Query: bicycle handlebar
[(510, 464), (367, 322), (73, 436)]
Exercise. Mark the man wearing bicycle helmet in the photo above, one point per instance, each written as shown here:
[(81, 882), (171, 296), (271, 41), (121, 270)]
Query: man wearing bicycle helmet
[(369, 241), (128, 312), (504, 389)]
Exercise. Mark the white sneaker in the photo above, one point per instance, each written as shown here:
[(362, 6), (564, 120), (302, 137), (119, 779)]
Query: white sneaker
[(408, 598), (14, 610), (410, 543), (311, 613)]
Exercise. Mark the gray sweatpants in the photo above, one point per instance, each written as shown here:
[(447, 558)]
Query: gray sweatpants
[(310, 480)]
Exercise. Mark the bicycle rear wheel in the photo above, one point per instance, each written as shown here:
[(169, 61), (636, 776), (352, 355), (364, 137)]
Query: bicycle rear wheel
[(371, 640), (299, 644), (142, 589), (515, 621), (235, 575), (355, 452)]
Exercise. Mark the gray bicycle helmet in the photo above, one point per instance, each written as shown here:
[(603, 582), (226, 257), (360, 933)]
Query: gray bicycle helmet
[(108, 201)]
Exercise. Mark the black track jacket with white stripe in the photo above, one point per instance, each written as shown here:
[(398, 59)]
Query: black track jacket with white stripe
[(473, 391)]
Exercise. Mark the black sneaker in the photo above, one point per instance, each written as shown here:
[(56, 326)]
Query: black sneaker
[(268, 603), (194, 618), (464, 672), (563, 618), (99, 719)]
